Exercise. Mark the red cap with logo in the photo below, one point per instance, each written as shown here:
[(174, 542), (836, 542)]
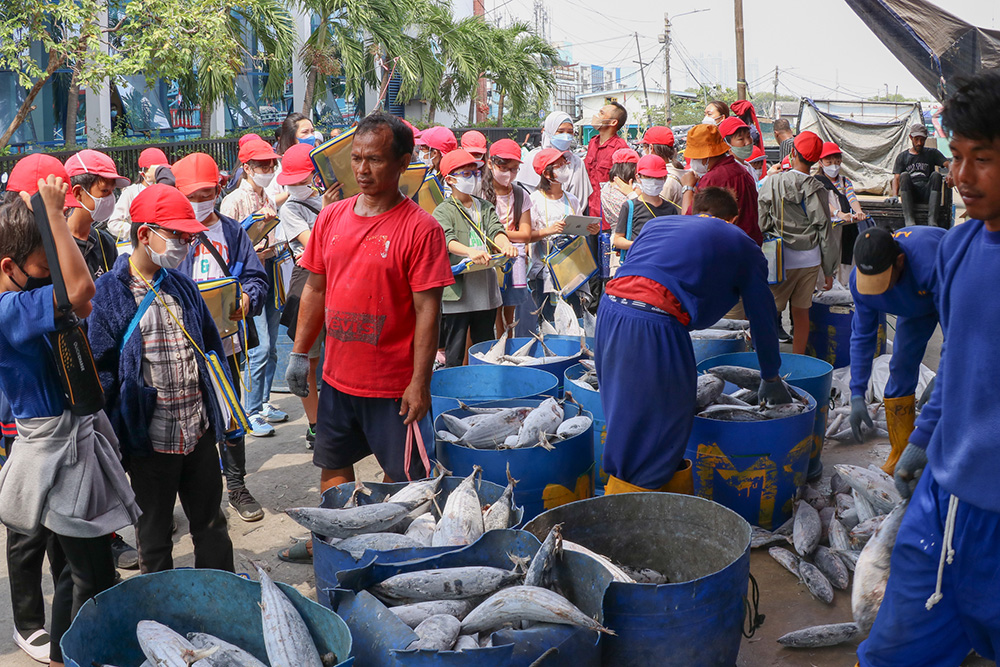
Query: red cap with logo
[(89, 161), (756, 154), (474, 142), (194, 172), (623, 155), (152, 156), (830, 148), (296, 165), (730, 126), (658, 135), (165, 207), (256, 149), (458, 158), (440, 138), (652, 166), (506, 149), (809, 146), (29, 170), (248, 137), (544, 158)]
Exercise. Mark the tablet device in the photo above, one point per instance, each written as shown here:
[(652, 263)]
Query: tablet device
[(576, 225)]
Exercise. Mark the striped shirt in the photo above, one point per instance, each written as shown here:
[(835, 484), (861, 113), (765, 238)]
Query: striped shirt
[(169, 365)]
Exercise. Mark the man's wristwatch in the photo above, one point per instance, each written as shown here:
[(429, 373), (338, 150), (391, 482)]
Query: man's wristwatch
[(687, 188)]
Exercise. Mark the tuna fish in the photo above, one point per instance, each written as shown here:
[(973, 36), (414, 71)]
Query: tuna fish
[(832, 567), (573, 426), (727, 399), (447, 436), (709, 389), (616, 572), (818, 585), (820, 635), (545, 419), (760, 538), (541, 573), (454, 424), (863, 507), (839, 537), (466, 642), (494, 428), (462, 517), (436, 633), (807, 528), (871, 573), (745, 378), (421, 529), (863, 532), (450, 583), (497, 517), (877, 487), (357, 545), (414, 614), (227, 655), (732, 413), (527, 603), (351, 521), (786, 559), (286, 636), (165, 648), (646, 575)]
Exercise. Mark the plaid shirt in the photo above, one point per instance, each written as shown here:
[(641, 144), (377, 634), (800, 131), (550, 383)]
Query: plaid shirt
[(169, 365)]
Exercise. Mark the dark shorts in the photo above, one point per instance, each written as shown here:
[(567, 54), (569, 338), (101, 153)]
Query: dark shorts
[(349, 428)]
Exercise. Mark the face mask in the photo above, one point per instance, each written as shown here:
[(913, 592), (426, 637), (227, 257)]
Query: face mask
[(759, 171), (31, 282), (311, 140), (465, 184), (652, 186), (831, 170), (504, 178), (300, 191), (562, 141), (426, 159), (203, 209), (103, 207), (700, 167), (562, 174), (708, 120), (170, 258), (263, 180), (742, 152)]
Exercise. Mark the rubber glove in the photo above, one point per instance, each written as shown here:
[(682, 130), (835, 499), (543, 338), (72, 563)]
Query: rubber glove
[(297, 374), (909, 468), (859, 413), (773, 392), (892, 200)]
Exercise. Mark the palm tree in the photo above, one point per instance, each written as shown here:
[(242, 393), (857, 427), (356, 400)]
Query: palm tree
[(464, 48), (522, 68)]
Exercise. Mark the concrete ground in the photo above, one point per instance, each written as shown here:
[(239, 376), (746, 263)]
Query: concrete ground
[(282, 476)]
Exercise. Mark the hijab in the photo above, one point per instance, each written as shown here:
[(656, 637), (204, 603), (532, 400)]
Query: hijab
[(579, 182)]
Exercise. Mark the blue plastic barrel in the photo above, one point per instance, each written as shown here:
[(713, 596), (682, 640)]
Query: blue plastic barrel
[(328, 560), (591, 402), (546, 479), (485, 382), (701, 546), (830, 334), (560, 346), (706, 348), (807, 373), (219, 603)]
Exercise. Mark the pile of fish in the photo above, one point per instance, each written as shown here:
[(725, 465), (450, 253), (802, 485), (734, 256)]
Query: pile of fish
[(286, 640), (459, 608), (497, 354), (853, 530), (742, 406), (564, 321), (839, 427), (515, 427), (404, 520), (724, 330), (838, 295), (588, 380)]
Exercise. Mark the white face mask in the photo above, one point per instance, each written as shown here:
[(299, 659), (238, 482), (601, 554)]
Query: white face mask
[(263, 180), (831, 170), (103, 207), (652, 186), (699, 167), (426, 158), (708, 120), (563, 174), (466, 184), (203, 209), (504, 178), (170, 258), (300, 191)]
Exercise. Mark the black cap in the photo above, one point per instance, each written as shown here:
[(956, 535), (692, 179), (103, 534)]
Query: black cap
[(875, 253)]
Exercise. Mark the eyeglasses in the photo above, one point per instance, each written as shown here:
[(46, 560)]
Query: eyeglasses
[(466, 173), (185, 238), (511, 168)]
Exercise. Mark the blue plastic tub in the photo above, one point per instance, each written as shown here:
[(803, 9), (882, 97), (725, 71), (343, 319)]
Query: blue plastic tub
[(591, 402), (219, 603), (560, 346), (706, 348), (485, 382), (546, 479), (704, 550), (329, 560), (807, 373), (830, 334)]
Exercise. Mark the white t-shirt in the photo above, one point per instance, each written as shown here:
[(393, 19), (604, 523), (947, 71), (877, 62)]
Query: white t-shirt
[(800, 259), (545, 212)]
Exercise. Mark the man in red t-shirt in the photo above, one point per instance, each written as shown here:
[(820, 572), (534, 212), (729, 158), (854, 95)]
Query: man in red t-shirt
[(608, 121), (379, 265)]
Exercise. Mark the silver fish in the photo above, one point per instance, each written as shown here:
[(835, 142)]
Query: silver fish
[(783, 411), (825, 518), (814, 497), (527, 603), (850, 558), (462, 517), (574, 426), (466, 642), (877, 487), (165, 648), (540, 572), (286, 636), (448, 436), (545, 419), (864, 531), (844, 502), (422, 491), (228, 655), (863, 506), (415, 614), (818, 585), (760, 538), (449, 583), (807, 528), (849, 518), (359, 490), (731, 325), (494, 428), (646, 575), (565, 320), (732, 413), (497, 517), (421, 529), (436, 633), (510, 442), (709, 388), (820, 635), (871, 573), (786, 559), (616, 572), (745, 378), (832, 567), (357, 545), (351, 521), (454, 424), (839, 537), (727, 399)]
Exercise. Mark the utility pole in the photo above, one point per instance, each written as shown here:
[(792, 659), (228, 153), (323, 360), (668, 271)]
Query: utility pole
[(666, 68), (774, 113), (642, 72), (741, 77)]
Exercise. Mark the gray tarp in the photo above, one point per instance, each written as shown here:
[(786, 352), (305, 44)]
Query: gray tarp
[(869, 148)]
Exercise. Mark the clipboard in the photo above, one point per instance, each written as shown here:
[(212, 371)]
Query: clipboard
[(571, 266), (497, 261), (257, 226), (223, 298), (284, 263), (576, 225), (332, 160), (431, 195), (413, 179)]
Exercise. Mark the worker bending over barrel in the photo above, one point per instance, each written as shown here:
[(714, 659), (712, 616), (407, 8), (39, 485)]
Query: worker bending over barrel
[(683, 273), (894, 275)]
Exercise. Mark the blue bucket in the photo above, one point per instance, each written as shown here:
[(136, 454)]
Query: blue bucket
[(546, 479), (591, 402), (702, 547), (706, 348), (485, 382), (329, 560), (560, 346), (219, 603), (830, 334)]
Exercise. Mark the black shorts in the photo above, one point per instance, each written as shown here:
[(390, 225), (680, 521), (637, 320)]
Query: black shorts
[(349, 428)]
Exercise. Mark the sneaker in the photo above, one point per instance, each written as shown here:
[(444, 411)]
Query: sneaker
[(310, 436), (273, 415), (259, 428), (783, 336), (126, 557), (35, 644), (245, 505)]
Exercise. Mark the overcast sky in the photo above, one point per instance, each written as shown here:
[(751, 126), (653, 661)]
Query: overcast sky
[(822, 44)]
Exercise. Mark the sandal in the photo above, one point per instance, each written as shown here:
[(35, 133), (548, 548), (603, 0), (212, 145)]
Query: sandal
[(297, 553)]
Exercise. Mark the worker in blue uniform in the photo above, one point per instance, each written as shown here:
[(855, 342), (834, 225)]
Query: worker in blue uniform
[(683, 273), (941, 599), (894, 275)]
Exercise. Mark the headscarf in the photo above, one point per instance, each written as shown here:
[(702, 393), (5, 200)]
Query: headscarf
[(579, 182), (741, 108), (551, 125)]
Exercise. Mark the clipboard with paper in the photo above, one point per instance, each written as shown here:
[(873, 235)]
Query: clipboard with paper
[(498, 261), (332, 160), (284, 264), (223, 298), (431, 195), (257, 226), (571, 266)]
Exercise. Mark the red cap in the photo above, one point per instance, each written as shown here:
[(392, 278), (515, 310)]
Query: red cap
[(730, 126), (89, 161), (830, 148), (756, 154), (544, 158), (808, 145), (506, 149), (248, 137), (166, 207), (194, 172), (296, 165), (440, 138), (652, 166), (625, 155), (659, 136), (786, 164), (30, 169), (415, 131), (256, 149), (474, 142), (458, 158), (152, 156)]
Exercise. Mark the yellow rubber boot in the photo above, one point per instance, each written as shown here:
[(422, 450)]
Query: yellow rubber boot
[(681, 482), (899, 416)]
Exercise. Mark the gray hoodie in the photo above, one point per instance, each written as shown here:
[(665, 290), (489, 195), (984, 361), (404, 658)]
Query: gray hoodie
[(795, 207)]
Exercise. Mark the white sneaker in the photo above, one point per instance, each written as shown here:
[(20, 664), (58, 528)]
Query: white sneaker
[(273, 415), (36, 645), (259, 428)]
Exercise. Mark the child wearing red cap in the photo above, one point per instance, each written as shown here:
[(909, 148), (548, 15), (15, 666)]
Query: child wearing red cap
[(93, 179), (659, 140), (651, 173), (157, 384), (120, 224)]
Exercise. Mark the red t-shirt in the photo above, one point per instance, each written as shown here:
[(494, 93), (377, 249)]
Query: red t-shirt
[(372, 267), (598, 163), (729, 173)]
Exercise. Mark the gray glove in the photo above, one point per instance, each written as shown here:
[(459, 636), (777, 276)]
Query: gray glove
[(909, 468), (297, 374), (859, 413), (773, 392), (892, 200)]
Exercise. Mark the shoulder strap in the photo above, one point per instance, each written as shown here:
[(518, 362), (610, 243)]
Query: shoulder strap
[(473, 225), (631, 218), (144, 305), (303, 203), (63, 304), (519, 192), (215, 253)]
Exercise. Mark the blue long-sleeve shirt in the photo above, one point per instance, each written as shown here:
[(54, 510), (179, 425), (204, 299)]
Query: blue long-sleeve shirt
[(912, 299), (709, 265), (959, 424)]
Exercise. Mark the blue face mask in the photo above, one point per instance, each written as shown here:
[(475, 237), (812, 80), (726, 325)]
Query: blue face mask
[(562, 141), (311, 140)]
